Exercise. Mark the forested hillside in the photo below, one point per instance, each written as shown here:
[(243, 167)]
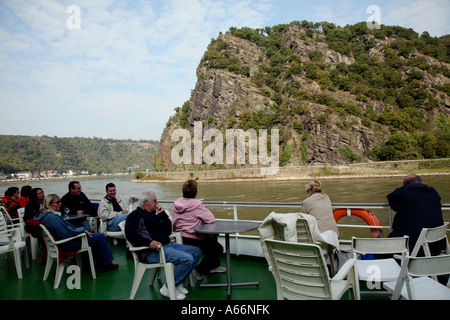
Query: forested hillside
[(96, 155), (337, 94)]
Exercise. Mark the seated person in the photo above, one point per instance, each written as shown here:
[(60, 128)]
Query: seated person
[(10, 202), (112, 209), (417, 206), (24, 194), (318, 205), (188, 213), (61, 229), (4, 199), (78, 204), (32, 209), (149, 226)]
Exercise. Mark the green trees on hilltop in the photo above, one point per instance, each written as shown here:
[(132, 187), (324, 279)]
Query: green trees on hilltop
[(393, 78), (95, 155)]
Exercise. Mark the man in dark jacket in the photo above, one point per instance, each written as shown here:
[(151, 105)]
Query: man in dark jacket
[(150, 226), (78, 204), (417, 206)]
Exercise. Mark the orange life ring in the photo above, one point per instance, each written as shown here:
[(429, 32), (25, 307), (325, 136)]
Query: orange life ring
[(364, 214)]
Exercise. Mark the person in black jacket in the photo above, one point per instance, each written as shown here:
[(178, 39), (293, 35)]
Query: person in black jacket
[(149, 226), (78, 204), (34, 204), (417, 206)]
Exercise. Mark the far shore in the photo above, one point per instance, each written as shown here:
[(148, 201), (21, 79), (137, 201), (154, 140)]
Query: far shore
[(335, 177), (386, 170), (379, 170), (20, 181)]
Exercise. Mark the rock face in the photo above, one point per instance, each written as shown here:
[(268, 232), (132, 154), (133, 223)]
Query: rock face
[(320, 116)]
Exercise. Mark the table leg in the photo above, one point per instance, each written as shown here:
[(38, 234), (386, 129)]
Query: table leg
[(227, 246), (229, 284)]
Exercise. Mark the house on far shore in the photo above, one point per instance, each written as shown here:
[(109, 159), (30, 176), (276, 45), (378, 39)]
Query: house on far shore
[(24, 175)]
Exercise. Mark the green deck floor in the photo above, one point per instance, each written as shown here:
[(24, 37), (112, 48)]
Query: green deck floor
[(116, 285)]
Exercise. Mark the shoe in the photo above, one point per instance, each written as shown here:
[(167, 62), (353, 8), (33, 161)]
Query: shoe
[(110, 267), (218, 270), (197, 275), (182, 289), (165, 292)]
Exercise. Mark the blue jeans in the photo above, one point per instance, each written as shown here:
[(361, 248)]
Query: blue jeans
[(113, 224), (85, 224), (184, 257)]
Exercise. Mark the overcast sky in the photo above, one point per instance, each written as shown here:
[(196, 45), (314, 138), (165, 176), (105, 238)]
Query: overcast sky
[(118, 69)]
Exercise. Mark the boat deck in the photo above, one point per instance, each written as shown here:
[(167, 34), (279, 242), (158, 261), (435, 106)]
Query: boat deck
[(116, 285)]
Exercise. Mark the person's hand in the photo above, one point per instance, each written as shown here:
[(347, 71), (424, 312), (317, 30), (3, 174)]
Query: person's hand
[(80, 212), (89, 234), (159, 209), (155, 245)]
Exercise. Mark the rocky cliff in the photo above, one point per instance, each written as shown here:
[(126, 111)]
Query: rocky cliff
[(335, 95)]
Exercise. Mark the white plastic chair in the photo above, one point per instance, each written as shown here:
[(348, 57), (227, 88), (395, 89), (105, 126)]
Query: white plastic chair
[(304, 235), (9, 219), (111, 234), (297, 227), (16, 222), (141, 267), (11, 241), (6, 221), (33, 241), (376, 271), (93, 224), (53, 254), (21, 212), (300, 272), (422, 287), (114, 234), (430, 235)]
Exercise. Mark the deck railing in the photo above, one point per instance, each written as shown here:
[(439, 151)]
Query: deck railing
[(297, 206)]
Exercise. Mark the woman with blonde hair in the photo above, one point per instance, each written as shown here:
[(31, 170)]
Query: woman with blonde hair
[(61, 229), (318, 205), (50, 204)]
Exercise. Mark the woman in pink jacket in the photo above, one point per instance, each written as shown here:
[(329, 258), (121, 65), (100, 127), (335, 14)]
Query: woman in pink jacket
[(188, 213)]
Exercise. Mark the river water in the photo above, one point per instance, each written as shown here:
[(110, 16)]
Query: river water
[(363, 190)]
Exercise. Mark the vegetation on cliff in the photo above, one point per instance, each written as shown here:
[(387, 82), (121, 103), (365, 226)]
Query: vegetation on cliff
[(337, 94)]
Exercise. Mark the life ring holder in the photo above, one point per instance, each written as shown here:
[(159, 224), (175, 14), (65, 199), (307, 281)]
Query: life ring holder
[(364, 214)]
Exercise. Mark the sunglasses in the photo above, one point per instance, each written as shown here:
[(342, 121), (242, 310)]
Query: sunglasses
[(58, 202)]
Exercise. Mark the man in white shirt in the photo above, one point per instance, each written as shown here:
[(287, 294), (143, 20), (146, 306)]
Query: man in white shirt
[(112, 209)]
